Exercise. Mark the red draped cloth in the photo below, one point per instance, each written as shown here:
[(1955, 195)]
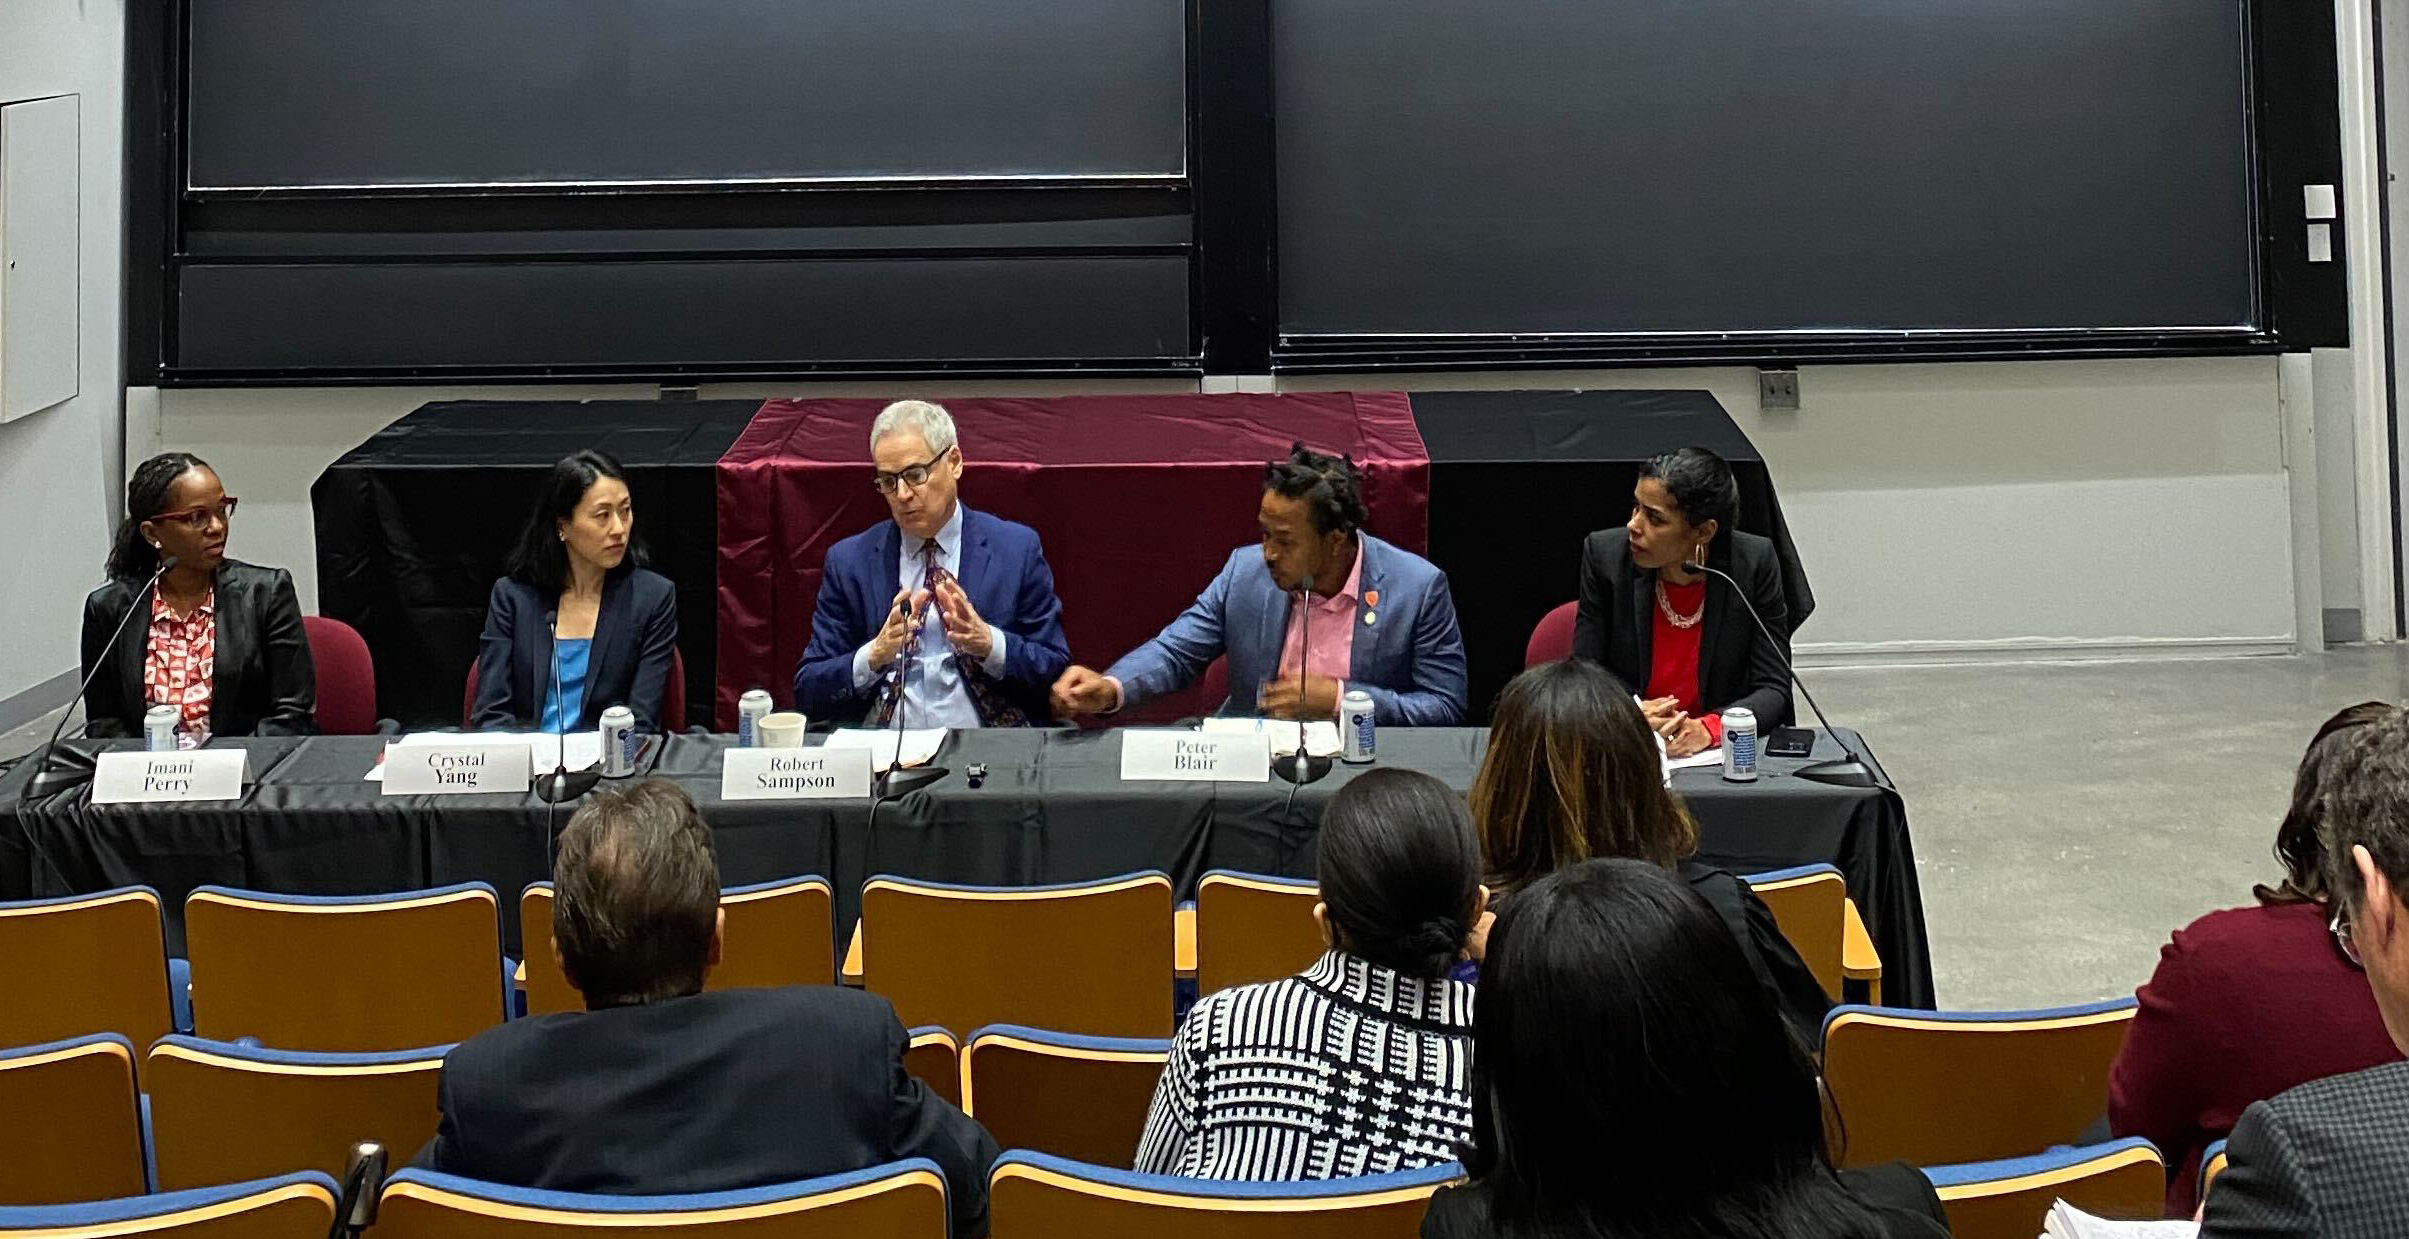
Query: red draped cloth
[(1139, 500)]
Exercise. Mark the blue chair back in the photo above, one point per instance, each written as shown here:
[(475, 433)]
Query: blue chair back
[(296, 1206), (1038, 1196), (70, 1122), (2006, 1199), (905, 1198)]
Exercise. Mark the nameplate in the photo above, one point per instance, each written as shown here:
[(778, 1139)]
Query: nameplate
[(154, 778), (494, 765), (795, 774), (1195, 757)]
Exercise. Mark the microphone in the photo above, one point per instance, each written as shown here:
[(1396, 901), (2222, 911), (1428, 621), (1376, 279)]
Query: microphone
[(895, 780), (1847, 771), (363, 1181), (563, 783), (76, 768)]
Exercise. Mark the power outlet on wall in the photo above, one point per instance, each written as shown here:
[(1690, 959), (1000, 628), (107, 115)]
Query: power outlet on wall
[(1777, 391)]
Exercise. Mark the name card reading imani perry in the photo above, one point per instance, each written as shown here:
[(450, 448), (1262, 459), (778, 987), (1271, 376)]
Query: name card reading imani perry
[(794, 774), (167, 776), (1190, 757), (151, 778)]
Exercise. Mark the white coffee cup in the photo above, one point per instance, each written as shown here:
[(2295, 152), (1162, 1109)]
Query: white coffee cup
[(782, 730)]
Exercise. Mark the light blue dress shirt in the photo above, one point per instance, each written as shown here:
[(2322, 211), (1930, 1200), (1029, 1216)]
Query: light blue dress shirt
[(569, 656), (933, 692)]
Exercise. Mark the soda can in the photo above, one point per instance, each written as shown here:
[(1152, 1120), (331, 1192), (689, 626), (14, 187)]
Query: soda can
[(159, 725), (1740, 745), (1355, 727), (618, 742), (749, 711)]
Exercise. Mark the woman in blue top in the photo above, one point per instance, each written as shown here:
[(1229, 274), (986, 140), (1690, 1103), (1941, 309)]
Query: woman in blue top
[(576, 611)]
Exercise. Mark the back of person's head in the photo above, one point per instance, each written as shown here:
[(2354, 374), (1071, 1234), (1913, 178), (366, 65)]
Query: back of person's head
[(1399, 871), (540, 558), (1631, 1078), (2296, 844), (2366, 807), (1330, 486), (635, 909), (1573, 771)]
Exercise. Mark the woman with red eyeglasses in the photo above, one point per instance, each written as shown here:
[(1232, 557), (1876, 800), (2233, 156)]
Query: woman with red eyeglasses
[(219, 639)]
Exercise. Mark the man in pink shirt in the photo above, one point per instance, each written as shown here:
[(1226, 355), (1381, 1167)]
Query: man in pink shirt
[(1323, 609)]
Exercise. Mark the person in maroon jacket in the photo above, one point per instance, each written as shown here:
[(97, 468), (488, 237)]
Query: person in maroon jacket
[(2248, 1002)]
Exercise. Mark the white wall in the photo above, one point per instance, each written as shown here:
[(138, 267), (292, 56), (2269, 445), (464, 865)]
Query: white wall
[(58, 468), (2050, 508)]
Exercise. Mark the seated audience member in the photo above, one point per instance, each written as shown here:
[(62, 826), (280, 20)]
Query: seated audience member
[(1629, 1080), (658, 1088), (1684, 635), (2248, 1002), (218, 639), (2330, 1158), (1357, 1065), (1322, 609), (997, 642), (576, 610), (1573, 772)]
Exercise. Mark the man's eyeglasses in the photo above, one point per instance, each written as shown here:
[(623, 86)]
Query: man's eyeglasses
[(2341, 928), (914, 476), (199, 518)]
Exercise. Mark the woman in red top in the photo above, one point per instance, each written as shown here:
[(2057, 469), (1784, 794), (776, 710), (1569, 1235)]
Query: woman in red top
[(2249, 1002), (1678, 637)]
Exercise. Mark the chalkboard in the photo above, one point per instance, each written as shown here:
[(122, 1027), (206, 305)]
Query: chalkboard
[(345, 93), (1706, 166)]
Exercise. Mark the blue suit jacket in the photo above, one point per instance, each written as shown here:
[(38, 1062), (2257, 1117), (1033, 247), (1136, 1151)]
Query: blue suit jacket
[(1410, 658), (635, 637), (1003, 570)]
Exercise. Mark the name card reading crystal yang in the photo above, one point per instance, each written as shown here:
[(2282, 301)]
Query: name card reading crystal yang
[(795, 774), (494, 765), (1193, 757), (153, 778)]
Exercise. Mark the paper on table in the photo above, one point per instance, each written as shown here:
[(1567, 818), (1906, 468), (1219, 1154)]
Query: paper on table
[(1321, 738), (2067, 1222), (543, 748), (920, 744), (1711, 757)]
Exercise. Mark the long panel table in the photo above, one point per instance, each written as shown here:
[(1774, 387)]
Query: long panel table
[(1052, 808)]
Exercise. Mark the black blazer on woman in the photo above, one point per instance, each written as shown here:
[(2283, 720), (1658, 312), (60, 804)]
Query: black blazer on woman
[(262, 680), (1904, 1203), (635, 637), (1616, 624)]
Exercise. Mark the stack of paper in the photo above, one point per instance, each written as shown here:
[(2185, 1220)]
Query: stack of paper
[(919, 745), (2067, 1222), (1321, 738)]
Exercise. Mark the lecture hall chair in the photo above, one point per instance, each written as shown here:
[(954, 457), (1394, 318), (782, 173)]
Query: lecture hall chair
[(1039, 1196), (1811, 904), (934, 1057), (778, 933), (1082, 957), (1552, 637), (223, 1112), (345, 973), (294, 1206), (85, 964), (2212, 1164), (346, 704), (1252, 927), (1936, 1087), (2007, 1199), (70, 1122), (902, 1200), (1084, 1098)]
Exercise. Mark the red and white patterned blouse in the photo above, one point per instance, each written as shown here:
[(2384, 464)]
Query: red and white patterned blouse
[(182, 665)]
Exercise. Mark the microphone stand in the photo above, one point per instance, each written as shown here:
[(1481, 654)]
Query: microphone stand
[(76, 768), (895, 781), (1847, 771), (563, 783), (1300, 767)]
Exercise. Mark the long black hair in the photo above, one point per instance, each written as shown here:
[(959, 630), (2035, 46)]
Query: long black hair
[(131, 556), (1618, 1028), (1400, 870), (1701, 484), (540, 559)]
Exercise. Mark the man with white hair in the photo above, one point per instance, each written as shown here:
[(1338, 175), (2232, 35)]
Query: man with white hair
[(945, 613)]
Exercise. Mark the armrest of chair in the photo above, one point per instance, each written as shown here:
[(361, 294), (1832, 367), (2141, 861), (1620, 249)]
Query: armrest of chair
[(1858, 959), (851, 973), (1183, 941), (179, 994)]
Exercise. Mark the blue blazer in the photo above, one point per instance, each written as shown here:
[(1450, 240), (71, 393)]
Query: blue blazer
[(1003, 570), (635, 637), (1410, 659)]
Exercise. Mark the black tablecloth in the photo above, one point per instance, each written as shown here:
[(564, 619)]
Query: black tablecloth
[(1053, 809), (1518, 478), (416, 523)]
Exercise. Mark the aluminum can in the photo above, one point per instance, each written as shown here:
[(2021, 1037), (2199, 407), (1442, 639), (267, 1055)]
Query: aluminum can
[(1740, 745), (749, 711), (1355, 737), (159, 725), (618, 742)]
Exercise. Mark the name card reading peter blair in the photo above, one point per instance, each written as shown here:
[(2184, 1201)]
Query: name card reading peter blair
[(1191, 757), (449, 769), (795, 774), (135, 777)]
